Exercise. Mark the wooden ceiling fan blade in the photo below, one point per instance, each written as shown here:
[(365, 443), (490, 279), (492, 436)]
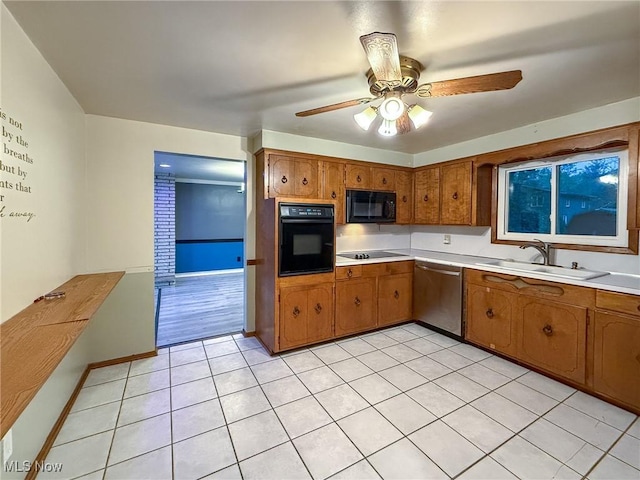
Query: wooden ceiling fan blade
[(335, 106), (479, 83), (383, 56)]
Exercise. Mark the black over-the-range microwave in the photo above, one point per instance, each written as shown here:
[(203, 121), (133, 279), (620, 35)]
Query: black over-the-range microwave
[(364, 206)]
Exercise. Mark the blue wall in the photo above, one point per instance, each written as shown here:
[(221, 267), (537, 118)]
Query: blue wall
[(209, 227), (204, 256)]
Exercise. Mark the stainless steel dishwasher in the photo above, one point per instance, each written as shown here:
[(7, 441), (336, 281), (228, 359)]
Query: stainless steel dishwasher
[(437, 296)]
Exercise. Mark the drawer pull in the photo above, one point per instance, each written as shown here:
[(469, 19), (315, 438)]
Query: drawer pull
[(426, 198), (489, 313), (404, 198), (296, 311), (357, 302), (333, 195), (455, 195), (305, 181), (358, 179), (396, 294), (318, 308), (548, 331), (638, 308), (384, 180), (349, 273), (284, 179)]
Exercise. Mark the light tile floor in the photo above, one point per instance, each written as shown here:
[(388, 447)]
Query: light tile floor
[(403, 403)]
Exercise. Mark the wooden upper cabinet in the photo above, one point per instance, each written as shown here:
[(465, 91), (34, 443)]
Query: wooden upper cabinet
[(306, 315), (427, 196), (293, 177), (455, 188), (358, 176), (404, 197), (333, 187), (553, 336), (383, 179)]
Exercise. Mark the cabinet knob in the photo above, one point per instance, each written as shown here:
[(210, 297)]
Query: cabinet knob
[(455, 195), (396, 294), (357, 302), (318, 308), (426, 198), (404, 198), (349, 273), (489, 313), (548, 331), (333, 195), (305, 181), (639, 308), (284, 179), (358, 179), (384, 180), (296, 311)]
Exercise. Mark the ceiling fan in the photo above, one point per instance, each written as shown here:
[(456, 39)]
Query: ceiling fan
[(393, 75)]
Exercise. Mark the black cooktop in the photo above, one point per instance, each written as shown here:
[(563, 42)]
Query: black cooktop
[(366, 255)]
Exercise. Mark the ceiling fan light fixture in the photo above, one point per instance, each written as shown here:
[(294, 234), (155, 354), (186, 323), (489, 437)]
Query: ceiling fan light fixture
[(365, 118), (388, 128), (392, 108), (418, 115)]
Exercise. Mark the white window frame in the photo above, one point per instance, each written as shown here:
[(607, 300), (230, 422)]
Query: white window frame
[(622, 235)]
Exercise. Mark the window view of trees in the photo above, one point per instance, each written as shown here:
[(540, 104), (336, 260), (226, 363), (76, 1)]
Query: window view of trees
[(584, 199)]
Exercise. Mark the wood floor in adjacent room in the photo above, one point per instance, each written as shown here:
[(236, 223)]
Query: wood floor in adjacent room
[(201, 307)]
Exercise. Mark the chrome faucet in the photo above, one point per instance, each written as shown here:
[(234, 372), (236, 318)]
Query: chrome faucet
[(543, 247)]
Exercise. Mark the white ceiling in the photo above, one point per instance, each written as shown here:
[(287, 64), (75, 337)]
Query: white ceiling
[(240, 67), (192, 167)]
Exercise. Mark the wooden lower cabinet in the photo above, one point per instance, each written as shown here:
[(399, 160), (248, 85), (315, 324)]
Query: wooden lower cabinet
[(306, 314), (616, 357), (394, 298), (490, 318), (552, 336), (355, 306)]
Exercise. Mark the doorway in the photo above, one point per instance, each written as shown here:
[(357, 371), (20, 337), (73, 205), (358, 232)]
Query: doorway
[(199, 230)]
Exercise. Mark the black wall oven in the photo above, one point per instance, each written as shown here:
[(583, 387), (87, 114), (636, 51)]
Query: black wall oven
[(307, 233), (371, 207)]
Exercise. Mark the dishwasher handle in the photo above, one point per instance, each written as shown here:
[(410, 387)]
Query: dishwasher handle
[(444, 272)]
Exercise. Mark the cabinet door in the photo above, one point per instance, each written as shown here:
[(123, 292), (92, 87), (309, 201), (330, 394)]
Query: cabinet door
[(394, 298), (456, 194), (306, 315), (427, 196), (616, 357), (355, 306), (404, 197), (306, 178), (553, 336), (382, 179), (490, 318), (281, 176), (333, 187), (358, 176)]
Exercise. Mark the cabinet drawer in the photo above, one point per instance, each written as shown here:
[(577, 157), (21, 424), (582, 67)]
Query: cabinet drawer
[(399, 267), (618, 302), (345, 273), (558, 292)]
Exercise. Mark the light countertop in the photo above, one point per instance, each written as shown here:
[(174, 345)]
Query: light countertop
[(616, 282)]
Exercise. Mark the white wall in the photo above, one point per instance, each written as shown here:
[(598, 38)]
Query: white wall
[(359, 237), (297, 143), (46, 251), (477, 240)]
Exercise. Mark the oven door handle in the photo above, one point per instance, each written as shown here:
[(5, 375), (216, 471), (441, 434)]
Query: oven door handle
[(308, 221)]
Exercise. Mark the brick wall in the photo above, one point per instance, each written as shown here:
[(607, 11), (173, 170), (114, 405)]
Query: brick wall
[(165, 228)]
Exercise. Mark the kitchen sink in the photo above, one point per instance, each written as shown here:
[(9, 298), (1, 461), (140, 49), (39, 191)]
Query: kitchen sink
[(552, 270)]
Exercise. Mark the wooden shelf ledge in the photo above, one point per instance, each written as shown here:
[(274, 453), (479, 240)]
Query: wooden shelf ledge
[(34, 341)]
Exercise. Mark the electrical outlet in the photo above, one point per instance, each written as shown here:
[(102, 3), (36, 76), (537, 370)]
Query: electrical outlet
[(447, 239), (7, 446)]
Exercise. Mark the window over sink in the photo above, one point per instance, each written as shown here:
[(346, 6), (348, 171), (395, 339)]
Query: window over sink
[(578, 199)]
